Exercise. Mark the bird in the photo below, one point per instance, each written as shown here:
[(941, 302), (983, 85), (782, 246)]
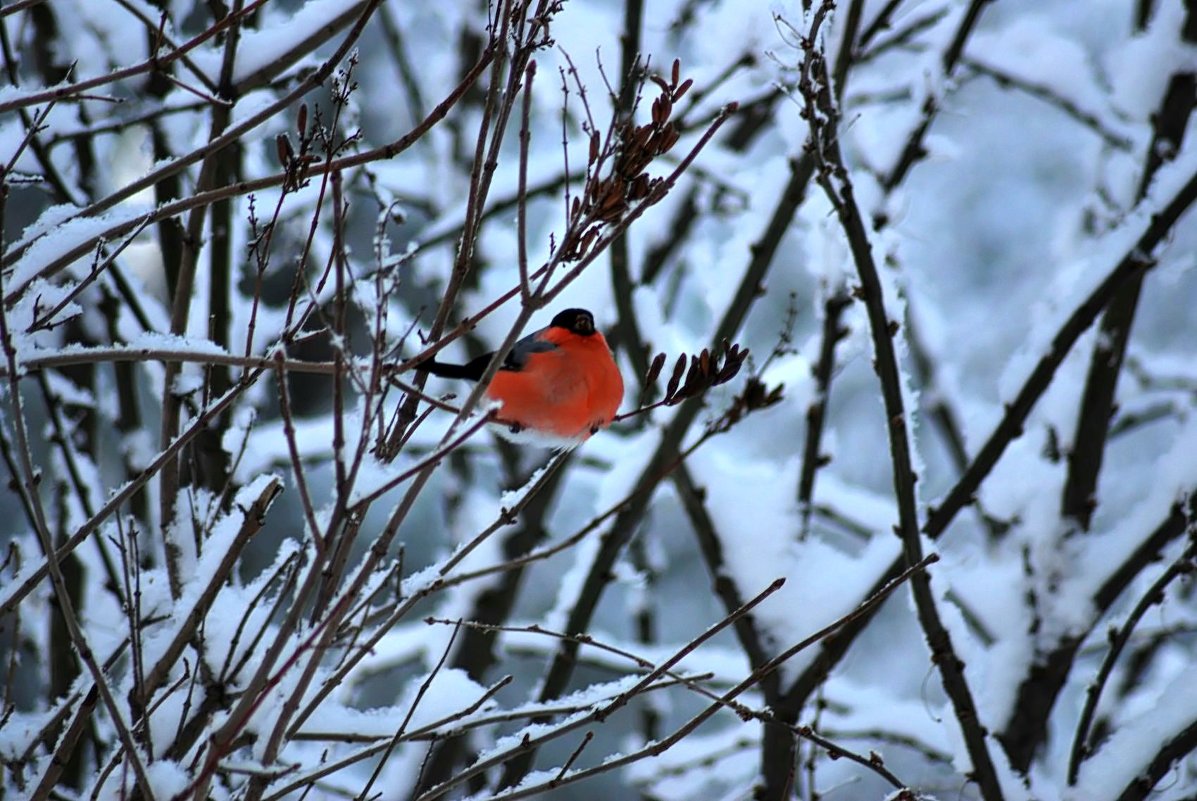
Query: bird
[(560, 384)]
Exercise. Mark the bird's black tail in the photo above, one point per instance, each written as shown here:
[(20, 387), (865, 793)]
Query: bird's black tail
[(471, 371)]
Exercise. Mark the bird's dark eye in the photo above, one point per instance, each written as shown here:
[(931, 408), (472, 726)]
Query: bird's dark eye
[(584, 324)]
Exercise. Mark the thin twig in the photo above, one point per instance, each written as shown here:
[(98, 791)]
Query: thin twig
[(1081, 747)]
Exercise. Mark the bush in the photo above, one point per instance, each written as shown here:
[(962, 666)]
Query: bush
[(897, 505)]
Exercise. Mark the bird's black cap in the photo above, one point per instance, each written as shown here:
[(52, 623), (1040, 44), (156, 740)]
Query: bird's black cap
[(576, 321)]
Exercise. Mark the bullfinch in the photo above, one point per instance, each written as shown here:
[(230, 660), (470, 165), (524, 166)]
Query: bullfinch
[(560, 382)]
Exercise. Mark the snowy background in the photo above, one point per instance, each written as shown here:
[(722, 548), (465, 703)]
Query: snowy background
[(953, 234)]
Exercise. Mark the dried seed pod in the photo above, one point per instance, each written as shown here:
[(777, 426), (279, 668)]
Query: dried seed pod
[(613, 193), (667, 139), (588, 239), (678, 369), (662, 108), (634, 150), (729, 371), (654, 369), (286, 153), (640, 188), (613, 214)]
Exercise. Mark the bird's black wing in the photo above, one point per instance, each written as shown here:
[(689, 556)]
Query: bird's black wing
[(517, 359), (473, 369)]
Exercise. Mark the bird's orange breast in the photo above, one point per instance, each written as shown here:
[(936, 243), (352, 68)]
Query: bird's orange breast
[(567, 392)]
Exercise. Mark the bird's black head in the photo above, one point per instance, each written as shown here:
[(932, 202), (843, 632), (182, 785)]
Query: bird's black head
[(576, 321)]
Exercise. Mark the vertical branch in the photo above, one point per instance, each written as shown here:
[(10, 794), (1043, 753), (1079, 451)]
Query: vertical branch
[(169, 188), (627, 332), (822, 115), (816, 413), (212, 169), (340, 331), (521, 209), (397, 47), (129, 417), (647, 625), (1105, 366)]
